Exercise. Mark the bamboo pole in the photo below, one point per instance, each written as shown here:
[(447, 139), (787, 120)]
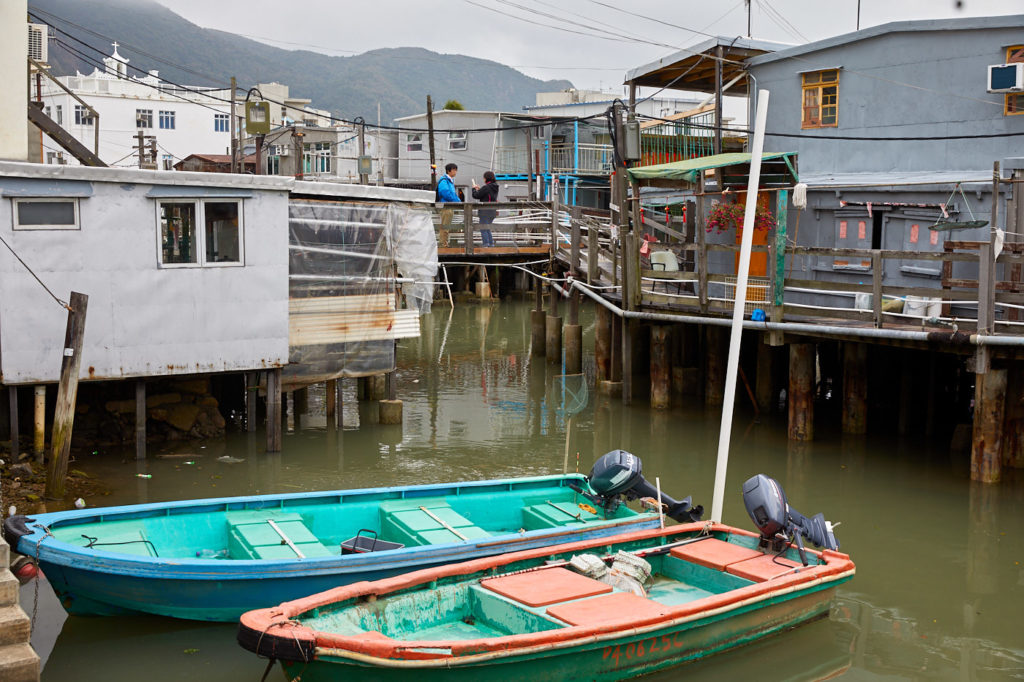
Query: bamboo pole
[(738, 306), (67, 392)]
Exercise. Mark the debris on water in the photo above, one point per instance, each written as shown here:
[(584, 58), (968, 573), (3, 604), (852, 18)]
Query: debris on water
[(190, 462), (179, 455), (228, 459), (143, 475), (12, 511), (191, 651), (79, 503)]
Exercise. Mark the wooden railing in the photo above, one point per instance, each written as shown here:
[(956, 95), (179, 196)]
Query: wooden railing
[(517, 225), (985, 303)]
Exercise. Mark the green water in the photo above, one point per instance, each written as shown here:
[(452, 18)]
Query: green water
[(939, 591)]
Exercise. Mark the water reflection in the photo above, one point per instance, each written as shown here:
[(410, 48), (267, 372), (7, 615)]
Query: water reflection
[(939, 586)]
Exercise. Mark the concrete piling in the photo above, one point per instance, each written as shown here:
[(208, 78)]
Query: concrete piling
[(573, 337), (553, 330), (855, 387), (801, 391), (390, 411)]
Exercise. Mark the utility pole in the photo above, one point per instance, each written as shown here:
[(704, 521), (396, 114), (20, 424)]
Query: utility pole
[(234, 140), (152, 152), (364, 179), (749, 3), (299, 161), (430, 132), (259, 154), (858, 15), (140, 137), (529, 163)]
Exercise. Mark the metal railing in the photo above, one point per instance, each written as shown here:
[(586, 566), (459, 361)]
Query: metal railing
[(566, 159)]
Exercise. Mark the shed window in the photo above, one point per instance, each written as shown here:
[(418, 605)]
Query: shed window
[(45, 214), (218, 243), (414, 142), (820, 103), (1014, 100), (457, 140)]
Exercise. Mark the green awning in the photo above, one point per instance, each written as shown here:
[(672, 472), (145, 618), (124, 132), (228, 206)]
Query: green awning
[(777, 168)]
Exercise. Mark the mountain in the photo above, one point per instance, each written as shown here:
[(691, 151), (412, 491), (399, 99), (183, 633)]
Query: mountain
[(398, 78)]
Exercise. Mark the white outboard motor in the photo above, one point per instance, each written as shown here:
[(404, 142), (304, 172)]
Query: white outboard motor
[(618, 474), (779, 523)]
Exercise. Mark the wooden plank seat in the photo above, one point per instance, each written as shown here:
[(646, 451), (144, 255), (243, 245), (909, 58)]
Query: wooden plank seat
[(608, 610), (715, 553), (546, 586), (426, 522), (252, 536), (762, 568), (556, 515)]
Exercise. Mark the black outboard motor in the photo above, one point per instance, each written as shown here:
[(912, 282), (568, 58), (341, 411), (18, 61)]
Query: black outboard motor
[(779, 523), (618, 473)]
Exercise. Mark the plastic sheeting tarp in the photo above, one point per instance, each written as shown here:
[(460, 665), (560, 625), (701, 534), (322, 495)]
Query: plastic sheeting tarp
[(346, 260), (686, 171)]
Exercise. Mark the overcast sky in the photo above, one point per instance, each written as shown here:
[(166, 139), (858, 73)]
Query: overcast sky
[(585, 41)]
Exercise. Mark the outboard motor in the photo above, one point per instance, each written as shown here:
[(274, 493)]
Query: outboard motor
[(779, 523), (618, 474)]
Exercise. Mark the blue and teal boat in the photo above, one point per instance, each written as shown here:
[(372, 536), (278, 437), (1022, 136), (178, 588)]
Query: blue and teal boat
[(214, 559)]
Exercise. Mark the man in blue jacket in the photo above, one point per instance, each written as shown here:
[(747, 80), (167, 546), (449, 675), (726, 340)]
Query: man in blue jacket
[(446, 192)]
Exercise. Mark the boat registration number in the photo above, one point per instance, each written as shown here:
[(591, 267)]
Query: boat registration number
[(643, 648)]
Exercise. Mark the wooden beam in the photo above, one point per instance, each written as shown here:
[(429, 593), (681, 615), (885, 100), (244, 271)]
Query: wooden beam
[(67, 393)]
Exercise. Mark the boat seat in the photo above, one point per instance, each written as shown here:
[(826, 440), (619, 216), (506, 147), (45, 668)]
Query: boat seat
[(608, 610), (762, 568), (545, 586), (714, 553), (556, 515), (250, 536), (406, 522)]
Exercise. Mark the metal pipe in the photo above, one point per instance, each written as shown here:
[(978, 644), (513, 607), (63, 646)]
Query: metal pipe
[(949, 337)]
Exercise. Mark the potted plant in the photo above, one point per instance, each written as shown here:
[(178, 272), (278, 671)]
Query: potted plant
[(725, 216)]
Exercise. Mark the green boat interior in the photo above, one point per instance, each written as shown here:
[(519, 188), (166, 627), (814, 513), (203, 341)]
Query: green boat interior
[(539, 597), (307, 527)]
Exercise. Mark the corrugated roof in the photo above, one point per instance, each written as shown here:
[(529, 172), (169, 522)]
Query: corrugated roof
[(687, 171)]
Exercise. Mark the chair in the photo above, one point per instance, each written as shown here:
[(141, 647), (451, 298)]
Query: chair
[(666, 261)]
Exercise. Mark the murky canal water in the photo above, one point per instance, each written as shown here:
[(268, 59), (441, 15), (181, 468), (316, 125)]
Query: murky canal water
[(939, 591)]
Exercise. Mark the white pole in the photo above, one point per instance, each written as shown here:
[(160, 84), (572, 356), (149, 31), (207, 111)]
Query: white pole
[(740, 303)]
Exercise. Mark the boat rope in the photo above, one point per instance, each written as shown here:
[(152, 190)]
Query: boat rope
[(93, 542), (281, 623), (60, 302), (35, 595)]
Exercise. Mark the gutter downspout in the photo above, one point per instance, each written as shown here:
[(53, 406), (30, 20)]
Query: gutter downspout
[(949, 338)]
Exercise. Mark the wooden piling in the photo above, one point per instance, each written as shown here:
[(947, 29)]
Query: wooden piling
[(764, 380), (39, 432), (987, 434), (12, 401), (628, 334), (661, 372), (538, 323), (602, 343), (801, 391), (252, 385), (855, 387), (615, 366), (573, 335), (67, 393), (377, 387), (553, 339), (140, 419), (274, 411), (331, 402), (717, 353)]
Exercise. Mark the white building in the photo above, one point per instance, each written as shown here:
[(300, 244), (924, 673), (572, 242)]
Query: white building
[(183, 120)]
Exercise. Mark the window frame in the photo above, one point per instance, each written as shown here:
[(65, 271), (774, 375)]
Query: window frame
[(1009, 108), (414, 142), (83, 117), (168, 120), (818, 86), (144, 119), (455, 137), (221, 119), (319, 156), (18, 227), (200, 242)]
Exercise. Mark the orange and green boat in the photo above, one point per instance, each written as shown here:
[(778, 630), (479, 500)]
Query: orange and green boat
[(553, 614)]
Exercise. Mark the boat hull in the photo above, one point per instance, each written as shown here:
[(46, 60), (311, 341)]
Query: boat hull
[(91, 581), (612, 659)]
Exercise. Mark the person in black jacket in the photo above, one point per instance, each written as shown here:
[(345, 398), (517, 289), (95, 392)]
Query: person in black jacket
[(487, 193)]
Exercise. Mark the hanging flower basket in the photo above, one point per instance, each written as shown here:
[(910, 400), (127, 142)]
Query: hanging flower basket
[(724, 217)]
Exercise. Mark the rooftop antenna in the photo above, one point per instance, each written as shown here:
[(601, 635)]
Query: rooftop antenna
[(858, 15)]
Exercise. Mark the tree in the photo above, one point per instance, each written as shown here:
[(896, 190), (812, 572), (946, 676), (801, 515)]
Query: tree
[(454, 105)]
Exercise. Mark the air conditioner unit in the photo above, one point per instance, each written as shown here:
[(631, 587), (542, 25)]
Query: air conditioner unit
[(1006, 77), (285, 150), (38, 43)]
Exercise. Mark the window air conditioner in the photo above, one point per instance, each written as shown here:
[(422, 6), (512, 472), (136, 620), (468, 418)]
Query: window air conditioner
[(38, 45), (1006, 77), (285, 150)]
